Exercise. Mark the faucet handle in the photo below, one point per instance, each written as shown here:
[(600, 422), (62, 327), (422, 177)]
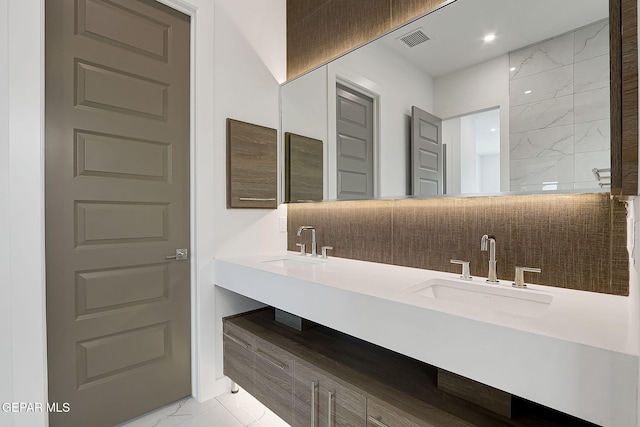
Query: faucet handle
[(466, 275), (324, 251), (303, 248), (518, 282)]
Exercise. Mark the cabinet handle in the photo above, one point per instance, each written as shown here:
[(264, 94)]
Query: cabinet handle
[(313, 404), (330, 407), (257, 199), (237, 340), (271, 360), (376, 421)]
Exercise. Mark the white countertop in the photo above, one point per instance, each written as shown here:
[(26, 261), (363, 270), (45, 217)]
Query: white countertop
[(578, 356)]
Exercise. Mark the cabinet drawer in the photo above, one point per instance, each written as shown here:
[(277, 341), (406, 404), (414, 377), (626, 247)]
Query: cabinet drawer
[(273, 379), (383, 415), (238, 360), (240, 336)]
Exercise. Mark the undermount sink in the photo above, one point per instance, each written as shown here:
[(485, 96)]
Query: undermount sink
[(524, 302), (289, 262)]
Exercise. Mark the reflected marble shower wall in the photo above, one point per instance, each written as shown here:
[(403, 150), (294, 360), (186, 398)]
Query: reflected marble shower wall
[(559, 111)]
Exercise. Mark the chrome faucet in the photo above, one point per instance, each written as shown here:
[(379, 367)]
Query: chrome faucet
[(314, 250), (492, 277)]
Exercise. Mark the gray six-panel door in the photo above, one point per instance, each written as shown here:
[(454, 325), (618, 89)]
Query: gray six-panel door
[(354, 138), (117, 204), (427, 164)]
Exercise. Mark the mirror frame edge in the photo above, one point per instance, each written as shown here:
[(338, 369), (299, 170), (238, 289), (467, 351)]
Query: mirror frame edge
[(623, 41)]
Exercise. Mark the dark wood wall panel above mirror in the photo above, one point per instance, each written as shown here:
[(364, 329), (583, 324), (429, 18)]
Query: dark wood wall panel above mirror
[(319, 30)]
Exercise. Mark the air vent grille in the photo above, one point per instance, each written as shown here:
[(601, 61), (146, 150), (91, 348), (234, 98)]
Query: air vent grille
[(414, 38)]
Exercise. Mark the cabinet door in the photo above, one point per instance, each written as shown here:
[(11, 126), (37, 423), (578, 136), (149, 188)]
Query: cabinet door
[(341, 406), (319, 401), (238, 360), (252, 166), (273, 379)]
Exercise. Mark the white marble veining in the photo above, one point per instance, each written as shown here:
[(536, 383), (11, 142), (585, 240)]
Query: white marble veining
[(544, 56), (543, 171), (592, 136), (565, 111), (542, 142), (227, 410), (592, 41), (585, 162), (591, 105), (542, 114), (591, 74), (545, 85)]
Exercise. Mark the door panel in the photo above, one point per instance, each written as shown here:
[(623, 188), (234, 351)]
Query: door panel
[(354, 126), (427, 164), (117, 203)]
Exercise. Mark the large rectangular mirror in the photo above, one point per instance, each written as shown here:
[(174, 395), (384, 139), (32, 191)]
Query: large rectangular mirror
[(516, 96)]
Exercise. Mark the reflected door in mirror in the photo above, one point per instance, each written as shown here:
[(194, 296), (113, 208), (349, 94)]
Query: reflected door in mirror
[(354, 127)]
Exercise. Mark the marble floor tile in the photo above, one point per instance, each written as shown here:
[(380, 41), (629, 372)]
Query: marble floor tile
[(167, 416), (226, 410), (250, 411), (216, 417)]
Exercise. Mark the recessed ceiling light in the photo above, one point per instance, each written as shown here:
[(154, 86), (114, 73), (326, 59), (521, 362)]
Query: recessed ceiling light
[(527, 92), (512, 69), (489, 37), (493, 129)]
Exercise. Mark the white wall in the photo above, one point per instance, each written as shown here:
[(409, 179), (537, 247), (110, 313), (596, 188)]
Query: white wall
[(478, 88), (23, 363), (250, 58), (6, 358), (377, 72), (239, 54)]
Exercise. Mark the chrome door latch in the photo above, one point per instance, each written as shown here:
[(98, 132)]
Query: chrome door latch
[(181, 254)]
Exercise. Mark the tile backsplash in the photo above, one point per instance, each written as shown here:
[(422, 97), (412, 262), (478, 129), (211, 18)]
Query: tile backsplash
[(578, 240), (559, 118)]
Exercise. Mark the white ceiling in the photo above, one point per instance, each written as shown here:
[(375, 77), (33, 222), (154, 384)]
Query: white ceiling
[(456, 31)]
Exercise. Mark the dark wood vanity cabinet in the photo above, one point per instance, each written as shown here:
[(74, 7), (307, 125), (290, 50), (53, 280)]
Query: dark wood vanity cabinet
[(320, 377), (273, 379), (380, 414), (239, 358), (319, 400), (262, 369)]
